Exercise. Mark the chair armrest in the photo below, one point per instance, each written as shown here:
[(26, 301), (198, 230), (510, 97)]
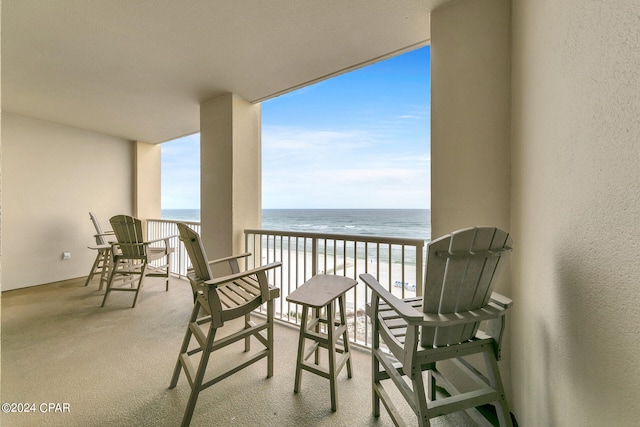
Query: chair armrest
[(403, 309), (98, 247), (495, 327), (165, 239), (232, 261), (501, 300), (104, 233), (412, 316), (229, 258), (221, 280), (488, 312)]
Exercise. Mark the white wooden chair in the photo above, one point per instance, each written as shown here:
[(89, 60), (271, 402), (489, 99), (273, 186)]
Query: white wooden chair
[(222, 299), (458, 296), (133, 258), (103, 256)]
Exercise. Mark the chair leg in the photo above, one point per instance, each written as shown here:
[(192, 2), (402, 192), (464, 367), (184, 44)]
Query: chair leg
[(185, 344), (106, 265), (493, 373), (345, 334), (421, 401), (316, 315), (247, 325), (202, 367), (270, 357), (140, 283), (332, 355), (375, 373), (431, 384), (197, 382), (303, 327), (94, 267), (112, 274), (168, 270)]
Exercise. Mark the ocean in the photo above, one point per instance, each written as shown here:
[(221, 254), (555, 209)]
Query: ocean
[(410, 223)]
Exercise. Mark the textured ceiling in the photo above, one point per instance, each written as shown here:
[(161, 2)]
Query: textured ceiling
[(140, 69)]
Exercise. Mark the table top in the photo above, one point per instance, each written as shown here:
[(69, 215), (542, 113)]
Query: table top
[(321, 289)]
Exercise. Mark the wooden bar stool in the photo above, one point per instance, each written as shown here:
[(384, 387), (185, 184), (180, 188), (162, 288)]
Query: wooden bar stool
[(320, 292)]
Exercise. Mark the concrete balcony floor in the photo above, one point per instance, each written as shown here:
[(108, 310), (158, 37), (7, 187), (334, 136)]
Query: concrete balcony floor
[(112, 366)]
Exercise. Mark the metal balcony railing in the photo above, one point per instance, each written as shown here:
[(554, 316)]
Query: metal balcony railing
[(395, 262), (160, 228)]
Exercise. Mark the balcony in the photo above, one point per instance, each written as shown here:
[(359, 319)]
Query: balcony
[(395, 262), (112, 366)]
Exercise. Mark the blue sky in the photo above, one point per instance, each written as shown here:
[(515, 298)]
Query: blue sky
[(359, 140)]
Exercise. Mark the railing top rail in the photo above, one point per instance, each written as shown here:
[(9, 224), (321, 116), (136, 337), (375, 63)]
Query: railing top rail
[(335, 236), (173, 221)]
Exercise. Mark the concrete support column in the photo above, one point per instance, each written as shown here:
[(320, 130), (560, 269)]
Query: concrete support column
[(231, 169), (147, 182), (470, 115), (470, 126)]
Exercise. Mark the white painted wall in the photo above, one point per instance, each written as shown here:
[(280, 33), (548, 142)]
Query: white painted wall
[(52, 176), (576, 212)]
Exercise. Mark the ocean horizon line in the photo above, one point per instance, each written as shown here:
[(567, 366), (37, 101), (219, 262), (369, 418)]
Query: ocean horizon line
[(313, 209), (401, 222)]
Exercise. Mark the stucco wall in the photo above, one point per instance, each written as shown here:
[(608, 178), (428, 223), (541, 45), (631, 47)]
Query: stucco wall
[(52, 176), (470, 126), (470, 96), (230, 163), (147, 191), (576, 212)]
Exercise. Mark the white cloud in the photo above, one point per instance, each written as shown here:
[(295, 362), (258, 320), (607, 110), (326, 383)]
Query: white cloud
[(346, 169), (307, 168), (291, 138), (355, 188)]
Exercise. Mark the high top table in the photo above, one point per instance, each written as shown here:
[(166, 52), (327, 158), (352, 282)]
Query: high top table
[(321, 291)]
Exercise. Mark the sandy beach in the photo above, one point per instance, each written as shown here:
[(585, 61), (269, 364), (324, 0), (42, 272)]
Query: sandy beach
[(296, 270)]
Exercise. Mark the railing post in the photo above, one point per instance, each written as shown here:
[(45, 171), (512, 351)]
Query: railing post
[(257, 242), (419, 278), (314, 256), (246, 249)]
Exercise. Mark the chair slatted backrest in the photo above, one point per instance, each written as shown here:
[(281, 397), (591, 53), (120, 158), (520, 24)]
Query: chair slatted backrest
[(460, 276), (100, 240), (128, 232), (195, 250)]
